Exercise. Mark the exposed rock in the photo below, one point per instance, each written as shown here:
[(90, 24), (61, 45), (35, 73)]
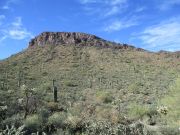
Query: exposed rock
[(57, 38), (77, 38), (169, 54)]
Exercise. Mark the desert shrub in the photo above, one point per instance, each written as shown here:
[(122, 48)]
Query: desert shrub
[(70, 84), (33, 123), (62, 132), (3, 111), (76, 109), (137, 111), (52, 106), (12, 130), (15, 120), (48, 97), (107, 128), (45, 88), (75, 65), (44, 73), (171, 103), (43, 115), (98, 127), (57, 119), (107, 113), (108, 99), (75, 117), (104, 97), (74, 123), (170, 130), (134, 87)]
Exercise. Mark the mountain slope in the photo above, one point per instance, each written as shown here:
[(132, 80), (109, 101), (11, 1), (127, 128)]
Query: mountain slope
[(89, 72)]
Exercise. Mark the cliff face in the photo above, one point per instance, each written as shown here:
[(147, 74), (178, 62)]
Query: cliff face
[(56, 38)]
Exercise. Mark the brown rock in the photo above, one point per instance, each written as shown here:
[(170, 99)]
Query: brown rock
[(57, 38), (77, 38)]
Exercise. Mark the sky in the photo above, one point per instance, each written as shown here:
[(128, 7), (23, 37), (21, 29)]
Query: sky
[(153, 25)]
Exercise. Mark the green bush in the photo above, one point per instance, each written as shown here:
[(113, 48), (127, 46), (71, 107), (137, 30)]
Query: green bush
[(137, 111), (52, 106), (33, 123), (15, 120), (104, 97), (12, 130), (57, 119), (43, 115), (134, 87), (70, 84), (74, 122), (106, 128)]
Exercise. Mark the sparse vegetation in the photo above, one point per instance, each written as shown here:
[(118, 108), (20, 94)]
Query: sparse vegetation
[(171, 108), (33, 123), (98, 91), (137, 111)]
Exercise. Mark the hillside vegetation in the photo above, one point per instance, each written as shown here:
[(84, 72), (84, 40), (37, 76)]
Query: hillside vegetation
[(100, 90)]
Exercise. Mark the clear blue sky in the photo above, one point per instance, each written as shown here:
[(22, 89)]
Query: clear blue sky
[(150, 24)]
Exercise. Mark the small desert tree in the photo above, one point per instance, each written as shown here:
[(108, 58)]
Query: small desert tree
[(30, 100)]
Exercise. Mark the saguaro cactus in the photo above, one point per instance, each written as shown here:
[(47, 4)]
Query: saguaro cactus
[(54, 91), (4, 81), (2, 84), (19, 78)]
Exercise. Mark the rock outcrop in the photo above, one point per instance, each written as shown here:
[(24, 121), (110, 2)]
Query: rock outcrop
[(77, 38), (57, 38)]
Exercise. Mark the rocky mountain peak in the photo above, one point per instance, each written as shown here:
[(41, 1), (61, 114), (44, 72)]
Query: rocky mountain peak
[(56, 38), (76, 38)]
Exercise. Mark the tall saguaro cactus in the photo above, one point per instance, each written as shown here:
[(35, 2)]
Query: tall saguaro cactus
[(54, 91), (19, 78), (2, 84), (4, 81)]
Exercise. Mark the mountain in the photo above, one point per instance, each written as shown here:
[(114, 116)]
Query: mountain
[(98, 82)]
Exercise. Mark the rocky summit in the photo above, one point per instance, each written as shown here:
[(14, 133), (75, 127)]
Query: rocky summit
[(77, 38), (57, 38)]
